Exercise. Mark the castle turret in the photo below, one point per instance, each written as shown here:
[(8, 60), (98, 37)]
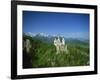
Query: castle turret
[(63, 41)]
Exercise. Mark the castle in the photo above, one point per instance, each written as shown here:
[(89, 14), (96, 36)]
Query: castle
[(60, 45)]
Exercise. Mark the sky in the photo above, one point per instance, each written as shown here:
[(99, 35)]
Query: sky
[(69, 25)]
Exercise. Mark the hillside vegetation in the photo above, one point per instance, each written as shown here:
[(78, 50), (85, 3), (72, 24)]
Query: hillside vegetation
[(43, 53)]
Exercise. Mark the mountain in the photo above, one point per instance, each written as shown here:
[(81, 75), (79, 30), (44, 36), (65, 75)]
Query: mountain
[(50, 38)]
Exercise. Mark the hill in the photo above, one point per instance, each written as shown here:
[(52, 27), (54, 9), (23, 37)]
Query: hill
[(43, 53)]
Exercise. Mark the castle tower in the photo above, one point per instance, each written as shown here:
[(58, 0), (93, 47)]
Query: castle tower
[(63, 41)]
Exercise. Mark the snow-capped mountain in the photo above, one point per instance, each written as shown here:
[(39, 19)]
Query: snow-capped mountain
[(38, 34), (50, 38), (30, 34)]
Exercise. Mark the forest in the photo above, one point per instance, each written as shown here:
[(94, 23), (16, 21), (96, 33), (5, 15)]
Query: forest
[(42, 53)]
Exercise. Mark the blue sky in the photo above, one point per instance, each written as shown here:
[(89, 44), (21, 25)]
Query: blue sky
[(70, 25)]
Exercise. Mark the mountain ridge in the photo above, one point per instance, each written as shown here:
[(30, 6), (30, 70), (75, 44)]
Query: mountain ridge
[(50, 38)]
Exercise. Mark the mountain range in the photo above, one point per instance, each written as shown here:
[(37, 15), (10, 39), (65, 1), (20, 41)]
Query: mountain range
[(50, 38)]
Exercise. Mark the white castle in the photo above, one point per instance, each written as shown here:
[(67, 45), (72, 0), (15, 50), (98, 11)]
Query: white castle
[(60, 45)]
